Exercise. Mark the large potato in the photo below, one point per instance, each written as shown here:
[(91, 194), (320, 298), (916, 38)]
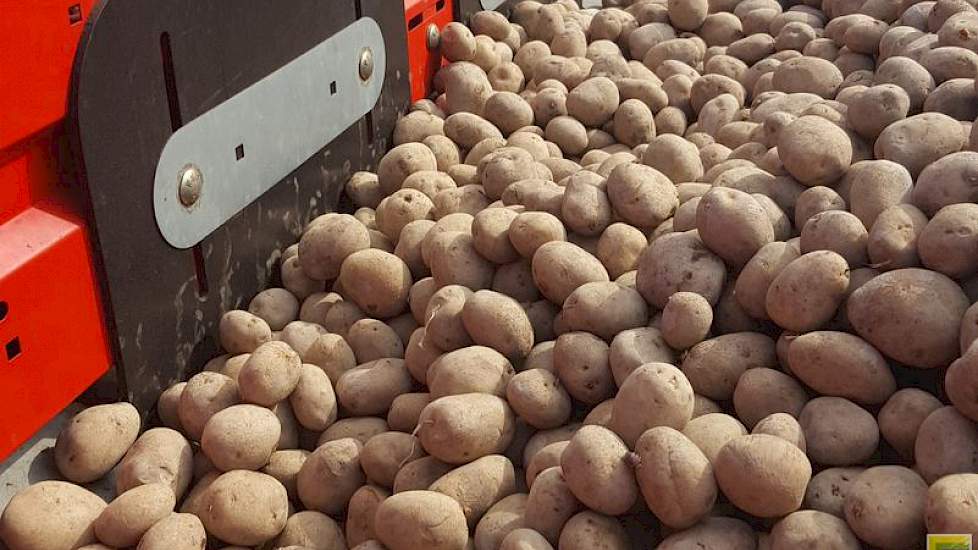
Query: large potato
[(598, 471), (269, 375), (655, 394), (838, 432), (949, 239), (313, 400), (325, 245), (560, 267), (538, 397), (478, 485), (498, 322), (310, 530), (384, 454), (330, 476), (245, 508), (589, 529), (604, 309), (241, 437), (95, 440), (675, 477), (458, 429), (159, 455), (581, 362), (733, 224), (885, 506), (951, 505), (421, 520), (761, 392), (763, 475), (711, 431), (713, 367), (911, 315), (713, 532), (679, 262), (204, 395), (842, 365), (641, 195), (175, 532), (377, 281), (242, 332), (502, 519), (947, 443), (370, 388), (474, 369), (812, 529), (550, 504), (50, 515), (814, 150), (807, 292)]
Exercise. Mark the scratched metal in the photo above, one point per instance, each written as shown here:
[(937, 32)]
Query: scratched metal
[(164, 325)]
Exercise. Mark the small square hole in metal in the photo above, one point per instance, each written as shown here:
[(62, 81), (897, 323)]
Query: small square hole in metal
[(74, 14), (332, 88), (4, 310), (13, 349), (239, 151)]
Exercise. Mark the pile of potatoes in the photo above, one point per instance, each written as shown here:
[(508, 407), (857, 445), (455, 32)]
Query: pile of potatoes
[(673, 274)]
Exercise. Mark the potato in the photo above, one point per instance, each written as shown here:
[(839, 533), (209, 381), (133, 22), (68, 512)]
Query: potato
[(812, 528), (167, 406), (245, 508), (372, 339), (671, 401), (524, 539), (826, 278), (399, 163), (457, 42), (560, 267), (175, 532), (592, 530), (446, 152), (815, 151), (732, 224), (284, 465), (124, 521), (947, 242), (159, 455), (277, 306), (204, 395), (531, 230), (946, 444), (581, 362), (420, 474), (763, 475), (310, 529), (604, 309), (919, 140), (241, 437), (322, 250), (949, 505), (892, 242), (508, 111), (946, 181), (641, 195), (383, 454), (897, 497), (369, 389), (458, 429), (497, 321), (453, 259), (594, 101), (585, 208), (51, 515), (838, 432), (478, 485), (711, 431), (490, 235), (331, 353), (538, 398), (838, 231), (701, 271), (824, 359), (598, 472), (242, 332), (330, 476), (761, 270), (901, 417), (474, 369), (270, 374), (675, 477), (417, 520), (377, 281), (619, 248), (713, 532), (313, 400), (935, 303), (784, 426), (503, 518), (363, 188), (95, 440), (714, 366), (808, 75), (550, 504), (635, 347), (761, 392)]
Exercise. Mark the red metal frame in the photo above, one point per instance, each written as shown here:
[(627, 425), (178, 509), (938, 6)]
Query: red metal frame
[(53, 342), (424, 62)]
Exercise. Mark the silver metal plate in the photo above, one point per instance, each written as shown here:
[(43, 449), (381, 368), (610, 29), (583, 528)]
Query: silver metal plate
[(492, 4), (247, 144)]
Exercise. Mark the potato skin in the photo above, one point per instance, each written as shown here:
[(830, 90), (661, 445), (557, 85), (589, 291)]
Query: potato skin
[(383, 454), (538, 397), (241, 437), (604, 309), (733, 224), (950, 505), (245, 508), (458, 429), (330, 476), (763, 475), (270, 374), (560, 267), (419, 520), (947, 443), (679, 262), (897, 497), (713, 367), (69, 512), (95, 440), (175, 532), (842, 365), (127, 518), (809, 529), (880, 311), (675, 477), (478, 485), (312, 530), (824, 276), (597, 469), (550, 504), (814, 151), (159, 455), (838, 432), (369, 389), (498, 322), (654, 394)]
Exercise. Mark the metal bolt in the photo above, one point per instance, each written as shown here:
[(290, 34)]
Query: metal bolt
[(366, 64), (434, 36), (191, 181)]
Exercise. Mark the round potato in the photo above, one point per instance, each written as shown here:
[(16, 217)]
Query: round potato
[(419, 520), (245, 508), (763, 475), (838, 432), (807, 292), (95, 440), (655, 394), (675, 477), (897, 497), (458, 429), (51, 515), (175, 532), (842, 365), (330, 476)]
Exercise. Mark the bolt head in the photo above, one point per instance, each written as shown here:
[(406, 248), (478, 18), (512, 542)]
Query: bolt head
[(366, 64), (190, 181), (434, 36)]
